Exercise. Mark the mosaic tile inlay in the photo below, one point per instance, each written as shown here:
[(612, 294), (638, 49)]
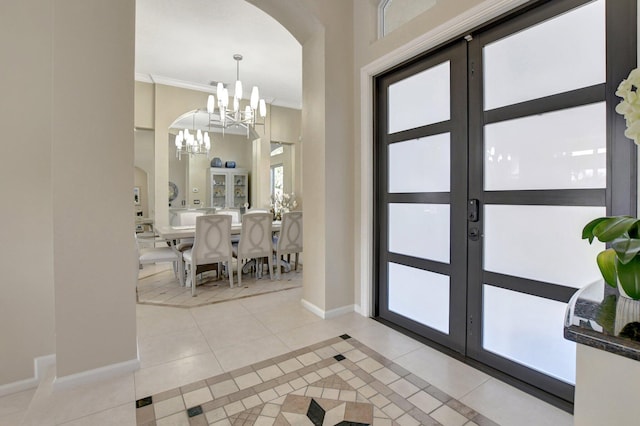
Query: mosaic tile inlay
[(336, 382)]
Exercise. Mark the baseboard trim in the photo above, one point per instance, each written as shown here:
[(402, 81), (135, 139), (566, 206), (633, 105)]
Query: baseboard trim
[(96, 374), (332, 313), (40, 365)]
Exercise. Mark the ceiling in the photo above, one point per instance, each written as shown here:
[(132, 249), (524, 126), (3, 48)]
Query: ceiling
[(190, 43)]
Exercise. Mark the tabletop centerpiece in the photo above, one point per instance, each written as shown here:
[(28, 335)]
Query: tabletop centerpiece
[(282, 203)]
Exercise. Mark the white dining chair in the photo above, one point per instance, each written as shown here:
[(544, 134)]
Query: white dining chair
[(212, 245), (160, 255), (290, 239), (186, 218), (235, 218), (255, 241)]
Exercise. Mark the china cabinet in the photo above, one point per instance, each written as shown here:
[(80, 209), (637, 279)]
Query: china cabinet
[(228, 188)]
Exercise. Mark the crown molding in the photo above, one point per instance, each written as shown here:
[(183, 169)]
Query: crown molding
[(143, 78), (167, 81)]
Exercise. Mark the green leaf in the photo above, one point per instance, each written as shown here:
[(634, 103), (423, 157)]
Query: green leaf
[(607, 264), (626, 248), (614, 227), (629, 276), (587, 231)]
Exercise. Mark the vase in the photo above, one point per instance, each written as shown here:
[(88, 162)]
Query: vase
[(627, 312), (623, 293)]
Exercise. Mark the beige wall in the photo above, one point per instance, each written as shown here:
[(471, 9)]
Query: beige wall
[(63, 193), (27, 321), (285, 124), (143, 159), (324, 28), (94, 253), (144, 105), (338, 165)]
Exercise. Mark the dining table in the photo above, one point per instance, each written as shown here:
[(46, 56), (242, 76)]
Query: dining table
[(178, 232), (172, 234)]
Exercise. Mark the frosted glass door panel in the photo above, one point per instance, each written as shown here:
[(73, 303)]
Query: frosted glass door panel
[(420, 230), (420, 165), (528, 330), (561, 54), (419, 295), (541, 243), (564, 149), (420, 99)]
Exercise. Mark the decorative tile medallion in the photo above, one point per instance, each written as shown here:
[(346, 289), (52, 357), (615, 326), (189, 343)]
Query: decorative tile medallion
[(336, 382)]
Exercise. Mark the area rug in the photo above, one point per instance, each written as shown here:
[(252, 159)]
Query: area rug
[(336, 382), (162, 289)]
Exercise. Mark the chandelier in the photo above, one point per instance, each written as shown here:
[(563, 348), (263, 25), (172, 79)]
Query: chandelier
[(220, 116), (192, 142), (233, 115)]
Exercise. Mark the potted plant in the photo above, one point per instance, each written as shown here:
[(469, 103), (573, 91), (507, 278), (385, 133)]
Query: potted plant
[(620, 264)]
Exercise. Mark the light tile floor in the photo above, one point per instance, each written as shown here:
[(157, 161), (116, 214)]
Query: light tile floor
[(181, 346), (157, 285)]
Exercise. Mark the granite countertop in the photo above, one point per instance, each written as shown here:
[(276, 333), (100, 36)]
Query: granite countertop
[(599, 317)]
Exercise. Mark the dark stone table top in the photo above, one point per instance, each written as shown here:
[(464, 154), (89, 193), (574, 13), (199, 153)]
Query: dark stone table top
[(599, 317)]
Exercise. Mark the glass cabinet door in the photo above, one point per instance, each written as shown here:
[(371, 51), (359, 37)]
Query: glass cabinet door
[(218, 190), (240, 190)]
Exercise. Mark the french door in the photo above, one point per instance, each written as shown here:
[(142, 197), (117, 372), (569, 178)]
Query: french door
[(491, 155)]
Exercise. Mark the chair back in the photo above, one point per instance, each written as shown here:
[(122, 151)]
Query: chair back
[(188, 218), (234, 213), (212, 239), (255, 239), (290, 240)]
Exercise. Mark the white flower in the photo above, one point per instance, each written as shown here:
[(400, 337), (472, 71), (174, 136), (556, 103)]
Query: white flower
[(629, 107), (283, 203)]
